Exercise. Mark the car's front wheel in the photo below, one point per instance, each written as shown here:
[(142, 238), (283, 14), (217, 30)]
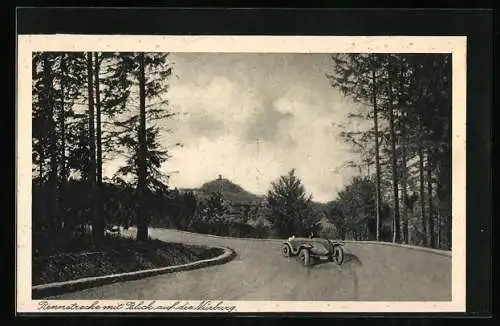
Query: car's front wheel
[(305, 257), (338, 255), (285, 250)]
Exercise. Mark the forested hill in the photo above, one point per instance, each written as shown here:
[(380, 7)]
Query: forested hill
[(235, 193), (231, 192)]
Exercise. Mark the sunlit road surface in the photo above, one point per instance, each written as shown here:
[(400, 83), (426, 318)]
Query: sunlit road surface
[(370, 272)]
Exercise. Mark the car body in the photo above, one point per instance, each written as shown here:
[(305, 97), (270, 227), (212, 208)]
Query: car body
[(309, 249)]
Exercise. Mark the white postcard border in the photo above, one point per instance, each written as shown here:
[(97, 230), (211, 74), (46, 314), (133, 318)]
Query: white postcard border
[(26, 44)]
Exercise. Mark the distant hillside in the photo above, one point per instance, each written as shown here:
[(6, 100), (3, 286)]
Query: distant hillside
[(235, 193), (231, 191)]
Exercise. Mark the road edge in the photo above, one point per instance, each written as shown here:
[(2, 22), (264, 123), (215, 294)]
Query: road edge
[(398, 245), (51, 289), (404, 246)]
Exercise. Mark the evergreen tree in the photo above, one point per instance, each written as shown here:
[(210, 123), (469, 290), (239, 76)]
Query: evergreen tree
[(139, 132), (359, 77), (290, 210)]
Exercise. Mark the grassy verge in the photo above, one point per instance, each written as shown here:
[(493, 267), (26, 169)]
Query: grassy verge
[(114, 255)]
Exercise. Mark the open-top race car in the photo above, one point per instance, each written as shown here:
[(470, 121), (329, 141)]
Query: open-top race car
[(312, 248)]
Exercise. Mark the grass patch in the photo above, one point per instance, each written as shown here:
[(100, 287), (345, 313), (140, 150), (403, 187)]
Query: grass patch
[(113, 255)]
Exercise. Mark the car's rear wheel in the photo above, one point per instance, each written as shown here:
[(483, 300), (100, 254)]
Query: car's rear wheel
[(338, 255), (305, 257), (285, 250)]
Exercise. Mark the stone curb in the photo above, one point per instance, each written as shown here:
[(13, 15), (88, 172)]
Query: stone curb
[(44, 290), (430, 250)]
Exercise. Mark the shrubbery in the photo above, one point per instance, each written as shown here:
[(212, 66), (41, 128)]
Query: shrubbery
[(230, 229)]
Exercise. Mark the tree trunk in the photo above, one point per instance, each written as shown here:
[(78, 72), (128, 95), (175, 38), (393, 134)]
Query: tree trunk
[(98, 119), (404, 183), (430, 215), (97, 229), (99, 202), (142, 227), (438, 217), (440, 211), (404, 168), (52, 134), (377, 156), (422, 192), (64, 171), (396, 218), (40, 165)]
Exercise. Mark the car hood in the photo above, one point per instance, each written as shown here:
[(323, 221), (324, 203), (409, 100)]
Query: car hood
[(314, 241)]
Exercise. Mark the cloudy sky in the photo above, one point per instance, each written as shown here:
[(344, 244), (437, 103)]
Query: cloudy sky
[(253, 117)]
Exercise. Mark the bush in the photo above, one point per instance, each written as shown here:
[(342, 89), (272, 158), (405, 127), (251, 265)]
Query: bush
[(230, 229), (260, 232)]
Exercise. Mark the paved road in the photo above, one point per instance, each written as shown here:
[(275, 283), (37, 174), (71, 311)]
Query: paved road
[(370, 272)]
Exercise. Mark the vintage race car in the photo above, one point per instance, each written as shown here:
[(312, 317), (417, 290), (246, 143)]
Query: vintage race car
[(310, 249)]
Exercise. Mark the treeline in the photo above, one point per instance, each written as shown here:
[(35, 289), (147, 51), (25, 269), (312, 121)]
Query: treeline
[(403, 193), (212, 215), (89, 107), (94, 107)]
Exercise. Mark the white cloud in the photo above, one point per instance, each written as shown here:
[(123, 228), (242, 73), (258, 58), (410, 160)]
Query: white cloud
[(219, 105)]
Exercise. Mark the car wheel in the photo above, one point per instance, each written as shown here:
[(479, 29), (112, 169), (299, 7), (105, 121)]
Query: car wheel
[(339, 255), (285, 250), (305, 257)]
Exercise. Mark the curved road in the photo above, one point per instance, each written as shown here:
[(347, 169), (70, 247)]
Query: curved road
[(371, 272)]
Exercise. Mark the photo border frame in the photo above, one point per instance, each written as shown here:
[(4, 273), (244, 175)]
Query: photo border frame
[(472, 24)]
